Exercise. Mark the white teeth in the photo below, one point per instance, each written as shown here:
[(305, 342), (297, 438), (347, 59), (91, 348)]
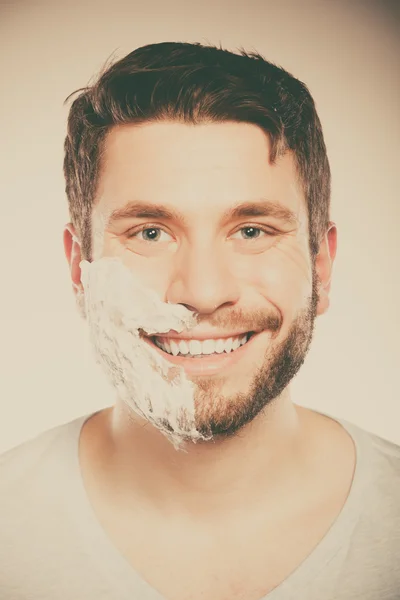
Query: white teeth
[(235, 344), (228, 345), (219, 346), (195, 347), (198, 348), (174, 348), (183, 347), (208, 346)]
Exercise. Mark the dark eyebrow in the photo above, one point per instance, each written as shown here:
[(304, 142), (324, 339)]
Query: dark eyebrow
[(143, 210), (260, 208)]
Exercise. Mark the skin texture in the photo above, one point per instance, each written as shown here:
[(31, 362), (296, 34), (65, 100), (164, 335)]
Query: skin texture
[(265, 450), (211, 266)]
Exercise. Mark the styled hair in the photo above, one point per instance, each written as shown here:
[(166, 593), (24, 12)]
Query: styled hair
[(194, 84)]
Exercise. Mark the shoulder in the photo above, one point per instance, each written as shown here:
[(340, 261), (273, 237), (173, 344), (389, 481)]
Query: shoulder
[(385, 448), (22, 467), (384, 465), (372, 549), (375, 454), (35, 478), (383, 454), (37, 482), (377, 478)]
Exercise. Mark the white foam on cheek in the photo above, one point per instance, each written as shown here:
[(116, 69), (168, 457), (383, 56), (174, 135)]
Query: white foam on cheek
[(117, 306), (100, 217)]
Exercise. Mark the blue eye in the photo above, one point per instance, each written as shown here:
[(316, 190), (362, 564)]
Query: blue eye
[(253, 233), (150, 234)]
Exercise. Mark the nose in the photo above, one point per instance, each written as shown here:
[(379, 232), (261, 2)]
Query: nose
[(202, 281)]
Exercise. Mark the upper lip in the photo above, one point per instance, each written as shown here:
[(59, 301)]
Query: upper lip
[(200, 335)]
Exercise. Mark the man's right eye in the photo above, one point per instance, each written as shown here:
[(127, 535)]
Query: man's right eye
[(150, 234)]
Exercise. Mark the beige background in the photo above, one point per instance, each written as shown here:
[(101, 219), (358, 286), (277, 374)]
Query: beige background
[(346, 52)]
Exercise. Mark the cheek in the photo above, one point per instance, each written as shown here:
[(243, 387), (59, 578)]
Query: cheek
[(152, 271), (283, 276)]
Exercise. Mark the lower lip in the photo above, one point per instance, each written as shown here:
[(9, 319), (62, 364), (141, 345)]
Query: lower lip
[(205, 366)]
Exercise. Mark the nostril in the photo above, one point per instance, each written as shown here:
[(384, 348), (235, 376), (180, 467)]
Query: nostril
[(189, 307)]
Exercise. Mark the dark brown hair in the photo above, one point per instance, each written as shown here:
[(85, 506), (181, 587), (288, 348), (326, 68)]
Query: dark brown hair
[(193, 83)]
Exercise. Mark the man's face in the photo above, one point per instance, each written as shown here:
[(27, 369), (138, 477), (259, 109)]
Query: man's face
[(243, 271)]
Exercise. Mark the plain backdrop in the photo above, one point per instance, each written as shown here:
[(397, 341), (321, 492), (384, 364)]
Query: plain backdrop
[(347, 52)]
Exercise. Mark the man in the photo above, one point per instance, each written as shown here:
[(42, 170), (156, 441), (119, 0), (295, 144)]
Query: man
[(201, 252)]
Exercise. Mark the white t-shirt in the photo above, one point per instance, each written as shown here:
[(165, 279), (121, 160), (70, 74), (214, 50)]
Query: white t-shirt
[(53, 548)]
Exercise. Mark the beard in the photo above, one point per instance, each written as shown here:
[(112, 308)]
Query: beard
[(222, 416), (182, 409)]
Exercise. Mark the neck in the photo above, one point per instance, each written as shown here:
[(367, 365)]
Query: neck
[(209, 479)]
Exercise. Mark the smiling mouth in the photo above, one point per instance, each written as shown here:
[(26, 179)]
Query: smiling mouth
[(200, 349)]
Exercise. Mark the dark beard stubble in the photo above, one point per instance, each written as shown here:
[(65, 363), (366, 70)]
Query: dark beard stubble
[(225, 420)]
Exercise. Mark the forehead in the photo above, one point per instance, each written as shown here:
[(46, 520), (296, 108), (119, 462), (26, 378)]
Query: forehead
[(195, 169)]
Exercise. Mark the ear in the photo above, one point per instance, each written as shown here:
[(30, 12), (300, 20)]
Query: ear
[(323, 266), (72, 251)]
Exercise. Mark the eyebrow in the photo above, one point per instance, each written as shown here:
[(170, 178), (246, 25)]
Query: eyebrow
[(260, 208)]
